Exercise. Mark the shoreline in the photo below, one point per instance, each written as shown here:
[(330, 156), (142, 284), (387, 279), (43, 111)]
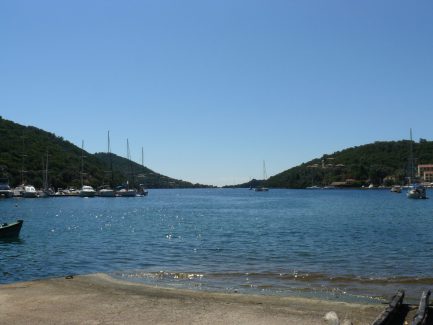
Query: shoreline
[(101, 299)]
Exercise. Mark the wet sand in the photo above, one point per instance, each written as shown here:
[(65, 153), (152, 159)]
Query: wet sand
[(100, 299)]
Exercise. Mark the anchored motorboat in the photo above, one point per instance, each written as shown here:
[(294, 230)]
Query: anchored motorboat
[(10, 230)]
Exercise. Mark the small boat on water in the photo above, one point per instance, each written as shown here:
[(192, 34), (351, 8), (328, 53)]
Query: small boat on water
[(396, 189), (127, 191), (124, 192), (10, 230), (106, 191), (87, 191), (5, 190), (142, 190), (265, 176), (29, 191), (417, 191)]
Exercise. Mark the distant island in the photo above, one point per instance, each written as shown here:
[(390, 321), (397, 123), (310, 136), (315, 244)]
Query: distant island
[(23, 151), (382, 163)]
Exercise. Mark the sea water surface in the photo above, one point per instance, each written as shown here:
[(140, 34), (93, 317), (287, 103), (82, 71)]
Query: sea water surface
[(352, 245)]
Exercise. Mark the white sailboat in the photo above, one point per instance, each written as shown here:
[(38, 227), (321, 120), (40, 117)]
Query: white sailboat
[(106, 190), (416, 190), (46, 191), (86, 190), (262, 188), (142, 191), (25, 190), (128, 192)]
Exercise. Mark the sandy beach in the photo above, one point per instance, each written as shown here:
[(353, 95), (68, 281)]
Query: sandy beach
[(100, 299)]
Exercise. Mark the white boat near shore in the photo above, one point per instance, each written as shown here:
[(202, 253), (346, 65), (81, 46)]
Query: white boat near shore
[(127, 192), (29, 191), (5, 190), (87, 191), (106, 192)]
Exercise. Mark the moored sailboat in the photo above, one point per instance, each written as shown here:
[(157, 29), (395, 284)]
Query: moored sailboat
[(25, 190), (106, 190), (5, 190), (142, 191), (86, 190), (415, 190), (262, 188), (126, 191), (46, 191)]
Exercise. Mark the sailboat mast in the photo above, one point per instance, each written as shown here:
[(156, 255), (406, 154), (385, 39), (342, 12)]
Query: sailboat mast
[(131, 167), (22, 161), (411, 159), (82, 161), (46, 174), (264, 171), (142, 157), (43, 173), (111, 160)]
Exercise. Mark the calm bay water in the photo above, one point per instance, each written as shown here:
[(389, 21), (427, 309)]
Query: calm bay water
[(349, 245)]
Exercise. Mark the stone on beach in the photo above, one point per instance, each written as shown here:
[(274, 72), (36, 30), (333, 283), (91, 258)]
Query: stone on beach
[(331, 318)]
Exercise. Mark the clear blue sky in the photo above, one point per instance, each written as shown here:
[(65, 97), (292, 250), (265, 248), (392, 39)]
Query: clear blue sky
[(210, 89)]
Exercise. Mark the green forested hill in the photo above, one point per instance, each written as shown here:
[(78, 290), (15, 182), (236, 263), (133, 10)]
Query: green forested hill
[(24, 148), (377, 163)]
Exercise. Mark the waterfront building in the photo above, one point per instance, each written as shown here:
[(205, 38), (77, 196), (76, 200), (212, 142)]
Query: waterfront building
[(425, 172)]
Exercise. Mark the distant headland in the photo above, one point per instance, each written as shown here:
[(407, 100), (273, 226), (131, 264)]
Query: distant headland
[(23, 152), (378, 164)]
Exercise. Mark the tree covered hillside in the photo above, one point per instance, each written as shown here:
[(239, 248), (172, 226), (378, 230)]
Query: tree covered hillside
[(378, 163), (23, 152)]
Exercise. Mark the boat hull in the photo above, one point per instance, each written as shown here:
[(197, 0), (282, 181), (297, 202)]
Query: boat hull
[(6, 193), (417, 193), (11, 230), (127, 193), (107, 193), (29, 195), (87, 191), (87, 194)]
